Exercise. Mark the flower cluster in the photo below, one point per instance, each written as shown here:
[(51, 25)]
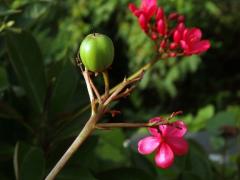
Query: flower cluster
[(169, 32), (166, 140)]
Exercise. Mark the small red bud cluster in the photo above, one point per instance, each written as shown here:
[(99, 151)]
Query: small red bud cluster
[(169, 33)]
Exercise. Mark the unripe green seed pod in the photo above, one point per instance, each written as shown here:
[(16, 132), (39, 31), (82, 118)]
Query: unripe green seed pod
[(96, 52)]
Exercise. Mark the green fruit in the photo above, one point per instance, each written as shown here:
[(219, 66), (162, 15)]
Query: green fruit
[(96, 52)]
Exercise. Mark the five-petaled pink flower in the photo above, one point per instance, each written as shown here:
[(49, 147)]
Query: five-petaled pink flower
[(166, 140), (190, 40), (145, 12)]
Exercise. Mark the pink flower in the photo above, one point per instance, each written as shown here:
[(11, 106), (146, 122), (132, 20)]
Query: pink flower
[(190, 40), (165, 140), (147, 9)]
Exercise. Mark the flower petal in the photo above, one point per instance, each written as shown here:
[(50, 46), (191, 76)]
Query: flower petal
[(184, 45), (154, 131), (164, 157), (200, 46), (178, 145), (176, 129), (194, 35), (185, 35), (149, 7), (148, 145)]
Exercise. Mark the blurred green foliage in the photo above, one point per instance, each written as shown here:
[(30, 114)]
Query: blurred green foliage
[(43, 96)]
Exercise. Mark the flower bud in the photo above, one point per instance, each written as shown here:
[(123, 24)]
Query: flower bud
[(181, 19), (143, 22), (161, 27), (173, 45), (176, 36), (160, 13), (173, 16)]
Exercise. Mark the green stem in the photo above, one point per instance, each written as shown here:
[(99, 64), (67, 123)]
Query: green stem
[(106, 83)]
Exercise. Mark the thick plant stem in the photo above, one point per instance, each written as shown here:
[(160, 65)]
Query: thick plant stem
[(86, 131)]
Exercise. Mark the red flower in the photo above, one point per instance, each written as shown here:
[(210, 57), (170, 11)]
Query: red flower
[(190, 40), (145, 12), (166, 140)]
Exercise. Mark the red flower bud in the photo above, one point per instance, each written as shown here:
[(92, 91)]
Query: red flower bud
[(181, 18), (161, 27), (154, 36), (173, 16), (132, 7), (181, 27), (143, 22), (160, 13), (173, 45), (163, 44), (176, 36), (172, 54)]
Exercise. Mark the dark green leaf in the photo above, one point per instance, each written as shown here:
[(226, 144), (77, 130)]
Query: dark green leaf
[(143, 163), (66, 83), (26, 59), (222, 118), (3, 79), (188, 176), (110, 145), (124, 173), (203, 115), (29, 162), (75, 174), (197, 163)]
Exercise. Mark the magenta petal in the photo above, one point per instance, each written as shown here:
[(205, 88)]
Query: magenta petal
[(151, 11), (164, 157), (185, 34), (178, 145), (154, 131), (201, 46), (194, 34), (184, 45), (177, 129), (148, 145), (147, 4)]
